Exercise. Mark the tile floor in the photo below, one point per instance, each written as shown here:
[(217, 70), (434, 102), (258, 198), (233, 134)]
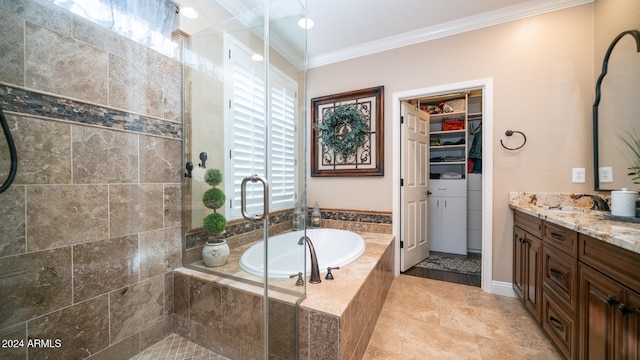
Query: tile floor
[(428, 319), (174, 347)]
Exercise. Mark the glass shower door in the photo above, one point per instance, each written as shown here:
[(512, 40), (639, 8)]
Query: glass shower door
[(244, 113)]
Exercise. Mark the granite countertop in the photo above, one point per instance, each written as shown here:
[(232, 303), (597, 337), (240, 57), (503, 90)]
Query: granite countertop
[(564, 210)]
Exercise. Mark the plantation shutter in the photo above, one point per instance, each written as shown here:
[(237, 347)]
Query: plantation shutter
[(246, 134), (282, 160)]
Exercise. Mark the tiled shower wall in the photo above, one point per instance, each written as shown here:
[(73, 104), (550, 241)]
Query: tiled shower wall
[(90, 231)]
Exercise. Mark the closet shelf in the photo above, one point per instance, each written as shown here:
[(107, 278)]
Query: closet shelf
[(448, 132), (457, 146), (450, 114)]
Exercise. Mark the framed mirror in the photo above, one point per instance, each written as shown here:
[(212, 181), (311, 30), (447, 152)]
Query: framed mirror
[(616, 114)]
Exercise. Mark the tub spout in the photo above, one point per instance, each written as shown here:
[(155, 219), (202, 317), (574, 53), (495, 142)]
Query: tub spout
[(315, 270)]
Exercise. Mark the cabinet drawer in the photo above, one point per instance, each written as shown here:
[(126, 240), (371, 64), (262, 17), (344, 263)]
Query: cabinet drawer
[(528, 223), (452, 188), (560, 276), (618, 263), (562, 238), (561, 327)]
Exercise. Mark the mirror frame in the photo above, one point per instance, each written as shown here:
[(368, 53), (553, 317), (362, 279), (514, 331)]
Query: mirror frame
[(605, 65)]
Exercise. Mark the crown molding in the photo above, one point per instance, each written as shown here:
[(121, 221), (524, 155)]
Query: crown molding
[(491, 18)]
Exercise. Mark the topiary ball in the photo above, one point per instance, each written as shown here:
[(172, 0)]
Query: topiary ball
[(213, 198), (214, 223), (213, 177)]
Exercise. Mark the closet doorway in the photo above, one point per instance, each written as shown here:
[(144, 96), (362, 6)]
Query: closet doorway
[(449, 214), (444, 167)]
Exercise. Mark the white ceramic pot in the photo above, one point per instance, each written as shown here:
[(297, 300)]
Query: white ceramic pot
[(623, 202), (215, 252)]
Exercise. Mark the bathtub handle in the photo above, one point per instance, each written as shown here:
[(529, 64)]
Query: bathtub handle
[(243, 197)]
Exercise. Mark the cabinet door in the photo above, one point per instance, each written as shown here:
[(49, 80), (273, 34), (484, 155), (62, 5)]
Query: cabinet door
[(518, 261), (599, 300), (454, 224), (533, 275), (435, 223), (630, 315)]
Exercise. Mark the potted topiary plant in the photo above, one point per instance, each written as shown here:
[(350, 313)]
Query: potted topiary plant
[(216, 250)]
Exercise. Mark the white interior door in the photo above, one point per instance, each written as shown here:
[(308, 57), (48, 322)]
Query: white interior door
[(415, 178)]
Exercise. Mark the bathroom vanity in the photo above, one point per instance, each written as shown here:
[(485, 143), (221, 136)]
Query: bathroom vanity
[(579, 276)]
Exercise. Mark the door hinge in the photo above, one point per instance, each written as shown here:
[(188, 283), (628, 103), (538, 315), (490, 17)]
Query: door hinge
[(401, 244), (401, 182), (401, 119)]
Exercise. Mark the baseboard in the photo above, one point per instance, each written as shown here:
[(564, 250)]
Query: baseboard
[(502, 288)]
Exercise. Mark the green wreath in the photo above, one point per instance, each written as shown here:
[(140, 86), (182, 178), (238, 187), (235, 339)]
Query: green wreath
[(343, 129)]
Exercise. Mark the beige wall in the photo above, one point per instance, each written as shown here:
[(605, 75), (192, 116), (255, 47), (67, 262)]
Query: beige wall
[(542, 69)]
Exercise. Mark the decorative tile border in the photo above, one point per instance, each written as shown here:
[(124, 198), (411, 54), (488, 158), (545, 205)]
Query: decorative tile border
[(356, 215), (239, 227), (50, 106), (355, 220)]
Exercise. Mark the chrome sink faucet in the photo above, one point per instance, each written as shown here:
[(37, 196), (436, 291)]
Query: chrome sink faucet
[(598, 202), (315, 270)]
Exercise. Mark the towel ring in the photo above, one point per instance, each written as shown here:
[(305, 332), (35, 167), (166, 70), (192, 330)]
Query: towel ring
[(509, 133)]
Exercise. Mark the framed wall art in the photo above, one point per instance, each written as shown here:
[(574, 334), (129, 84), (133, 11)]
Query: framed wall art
[(347, 133)]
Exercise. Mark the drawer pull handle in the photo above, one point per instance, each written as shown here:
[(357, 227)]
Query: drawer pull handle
[(611, 300), (556, 274), (624, 310), (556, 323), (557, 236)]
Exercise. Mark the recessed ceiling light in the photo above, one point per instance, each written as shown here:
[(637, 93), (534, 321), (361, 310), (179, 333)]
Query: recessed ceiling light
[(188, 12), (306, 23), (257, 57)]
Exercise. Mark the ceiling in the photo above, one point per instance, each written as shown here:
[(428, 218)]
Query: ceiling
[(347, 29)]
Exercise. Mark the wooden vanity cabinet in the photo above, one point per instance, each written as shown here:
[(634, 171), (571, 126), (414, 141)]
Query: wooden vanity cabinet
[(527, 255), (584, 292), (609, 301)]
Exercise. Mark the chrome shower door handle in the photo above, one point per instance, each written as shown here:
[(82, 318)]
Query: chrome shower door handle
[(243, 197)]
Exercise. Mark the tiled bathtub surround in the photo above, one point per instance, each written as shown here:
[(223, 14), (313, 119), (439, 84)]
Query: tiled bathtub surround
[(338, 317), (335, 320), (91, 227), (226, 316)]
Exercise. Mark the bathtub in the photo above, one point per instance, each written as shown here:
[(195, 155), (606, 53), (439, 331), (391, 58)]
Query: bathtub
[(333, 248)]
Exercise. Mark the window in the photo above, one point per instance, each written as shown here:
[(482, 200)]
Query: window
[(253, 147), (149, 23)]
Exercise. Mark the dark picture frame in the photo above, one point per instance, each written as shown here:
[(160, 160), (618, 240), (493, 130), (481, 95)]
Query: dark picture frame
[(369, 159)]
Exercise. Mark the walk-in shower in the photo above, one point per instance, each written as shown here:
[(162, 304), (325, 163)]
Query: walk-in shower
[(101, 233)]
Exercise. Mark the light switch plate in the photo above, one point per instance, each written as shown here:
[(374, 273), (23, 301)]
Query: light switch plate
[(605, 175), (578, 176)]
